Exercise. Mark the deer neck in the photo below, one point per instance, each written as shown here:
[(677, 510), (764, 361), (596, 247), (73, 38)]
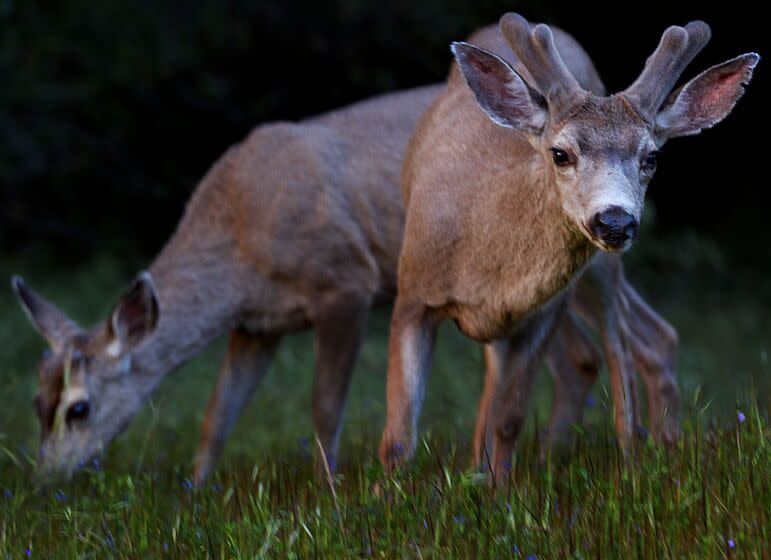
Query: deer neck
[(529, 252), (196, 291), (558, 248)]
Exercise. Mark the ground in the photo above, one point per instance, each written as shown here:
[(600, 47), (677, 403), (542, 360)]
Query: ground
[(710, 497)]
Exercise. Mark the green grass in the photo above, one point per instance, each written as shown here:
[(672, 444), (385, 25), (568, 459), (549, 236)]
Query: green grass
[(264, 500)]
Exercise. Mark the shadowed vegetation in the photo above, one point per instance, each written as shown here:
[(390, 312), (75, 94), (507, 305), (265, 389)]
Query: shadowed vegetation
[(264, 500)]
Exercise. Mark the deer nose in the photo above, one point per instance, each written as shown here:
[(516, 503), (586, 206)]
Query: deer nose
[(614, 226)]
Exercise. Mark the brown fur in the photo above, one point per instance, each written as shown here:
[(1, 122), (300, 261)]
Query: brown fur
[(634, 337), (496, 232)]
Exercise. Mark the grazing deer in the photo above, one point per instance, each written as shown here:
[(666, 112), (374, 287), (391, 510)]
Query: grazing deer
[(299, 225), (506, 205)]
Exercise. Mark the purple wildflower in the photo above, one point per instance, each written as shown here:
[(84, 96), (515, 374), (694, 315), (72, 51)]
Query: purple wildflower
[(508, 507), (187, 484), (741, 417), (531, 557), (165, 547), (590, 402), (425, 524), (7, 493), (28, 552), (110, 540), (60, 496), (731, 543), (515, 549), (459, 519)]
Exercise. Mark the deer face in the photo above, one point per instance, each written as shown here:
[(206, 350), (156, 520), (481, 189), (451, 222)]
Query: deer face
[(600, 152), (601, 160), (88, 388)]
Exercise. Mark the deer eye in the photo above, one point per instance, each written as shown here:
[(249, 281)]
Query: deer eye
[(651, 160), (77, 411), (561, 157)]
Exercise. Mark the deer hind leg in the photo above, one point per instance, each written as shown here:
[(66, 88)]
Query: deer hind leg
[(410, 346), (654, 346), (509, 409), (496, 356), (621, 376), (574, 363), (246, 361), (597, 298), (341, 322)]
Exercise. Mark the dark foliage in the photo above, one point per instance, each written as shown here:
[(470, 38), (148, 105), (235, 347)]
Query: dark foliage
[(111, 111)]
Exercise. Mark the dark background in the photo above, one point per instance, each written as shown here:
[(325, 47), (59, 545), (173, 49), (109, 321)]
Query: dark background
[(110, 112)]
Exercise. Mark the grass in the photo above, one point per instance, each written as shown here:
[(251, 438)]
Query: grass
[(710, 497)]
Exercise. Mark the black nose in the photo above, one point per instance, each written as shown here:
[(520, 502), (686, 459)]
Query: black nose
[(614, 226)]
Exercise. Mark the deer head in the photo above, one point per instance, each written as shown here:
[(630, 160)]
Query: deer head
[(88, 388), (601, 152)]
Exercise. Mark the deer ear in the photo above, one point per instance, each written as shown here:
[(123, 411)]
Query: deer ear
[(501, 93), (707, 99), (134, 318), (47, 319)]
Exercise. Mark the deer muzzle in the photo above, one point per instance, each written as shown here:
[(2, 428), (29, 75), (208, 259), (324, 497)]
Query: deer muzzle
[(614, 227)]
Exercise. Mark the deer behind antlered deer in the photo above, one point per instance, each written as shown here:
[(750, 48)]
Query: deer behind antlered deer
[(298, 226), (511, 185)]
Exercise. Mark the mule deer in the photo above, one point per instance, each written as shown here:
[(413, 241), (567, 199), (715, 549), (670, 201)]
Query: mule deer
[(609, 304), (299, 225), (508, 204)]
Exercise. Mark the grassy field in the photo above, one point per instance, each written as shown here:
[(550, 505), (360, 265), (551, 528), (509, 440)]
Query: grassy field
[(708, 498)]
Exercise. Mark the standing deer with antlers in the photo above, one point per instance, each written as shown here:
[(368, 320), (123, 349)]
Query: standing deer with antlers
[(508, 204), (632, 333), (299, 225)]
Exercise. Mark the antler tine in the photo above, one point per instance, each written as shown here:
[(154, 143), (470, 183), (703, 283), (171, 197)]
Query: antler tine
[(677, 48), (537, 58)]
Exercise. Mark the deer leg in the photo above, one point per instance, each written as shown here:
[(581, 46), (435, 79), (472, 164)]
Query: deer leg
[(340, 324), (574, 363), (246, 361), (621, 378), (496, 355), (410, 346), (597, 298), (654, 347), (510, 406)]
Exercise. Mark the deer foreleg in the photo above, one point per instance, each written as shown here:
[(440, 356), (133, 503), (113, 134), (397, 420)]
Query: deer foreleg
[(246, 361), (410, 346), (340, 325)]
